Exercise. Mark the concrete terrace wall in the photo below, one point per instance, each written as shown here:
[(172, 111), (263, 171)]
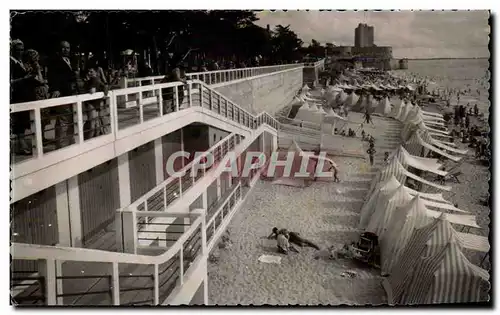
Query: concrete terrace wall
[(268, 92)]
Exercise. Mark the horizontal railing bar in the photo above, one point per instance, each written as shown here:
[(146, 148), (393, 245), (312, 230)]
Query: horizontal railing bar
[(26, 278), (28, 298), (147, 231), (83, 277), (135, 276), (156, 239), (35, 252), (136, 289), (84, 293), (152, 223), (139, 302)]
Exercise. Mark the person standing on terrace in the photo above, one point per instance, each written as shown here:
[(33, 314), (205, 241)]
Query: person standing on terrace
[(36, 87), (63, 82)]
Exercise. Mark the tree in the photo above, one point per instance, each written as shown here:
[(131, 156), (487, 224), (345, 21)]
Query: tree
[(285, 44)]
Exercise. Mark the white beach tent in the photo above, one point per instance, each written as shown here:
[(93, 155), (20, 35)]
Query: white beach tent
[(395, 168), (342, 97), (397, 108), (405, 112), (432, 269), (352, 99), (384, 107), (387, 202), (369, 206)]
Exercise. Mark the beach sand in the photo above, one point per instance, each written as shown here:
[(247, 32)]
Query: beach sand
[(326, 213)]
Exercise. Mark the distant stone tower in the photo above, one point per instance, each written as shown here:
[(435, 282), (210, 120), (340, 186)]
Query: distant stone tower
[(364, 36)]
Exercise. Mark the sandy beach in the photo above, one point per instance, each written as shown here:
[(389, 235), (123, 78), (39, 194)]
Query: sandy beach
[(326, 213)]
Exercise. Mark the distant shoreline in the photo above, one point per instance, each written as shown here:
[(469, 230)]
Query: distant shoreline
[(443, 58)]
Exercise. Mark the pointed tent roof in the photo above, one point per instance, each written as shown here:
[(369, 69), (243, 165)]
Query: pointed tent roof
[(342, 97), (384, 107), (429, 266), (321, 110), (330, 111), (396, 109), (369, 206), (386, 205), (313, 107), (405, 112), (352, 99)]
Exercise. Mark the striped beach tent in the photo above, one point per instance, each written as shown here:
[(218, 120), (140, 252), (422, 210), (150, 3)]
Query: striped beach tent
[(409, 217), (387, 203), (432, 269)]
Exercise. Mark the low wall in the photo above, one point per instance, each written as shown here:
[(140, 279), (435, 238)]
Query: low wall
[(311, 76), (268, 92)]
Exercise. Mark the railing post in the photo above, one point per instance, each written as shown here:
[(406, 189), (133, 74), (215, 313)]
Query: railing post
[(38, 132), (176, 98), (47, 270), (129, 232), (201, 95), (165, 204), (210, 96), (190, 94), (115, 288), (113, 113), (160, 102), (181, 267), (156, 285), (141, 109)]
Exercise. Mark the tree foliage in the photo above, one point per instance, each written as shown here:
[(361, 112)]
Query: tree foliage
[(214, 34)]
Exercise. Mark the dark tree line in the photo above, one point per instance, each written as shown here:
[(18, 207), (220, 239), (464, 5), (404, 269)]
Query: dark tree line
[(211, 34)]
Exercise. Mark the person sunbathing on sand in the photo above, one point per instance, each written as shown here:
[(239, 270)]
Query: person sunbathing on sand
[(293, 237), (284, 245)]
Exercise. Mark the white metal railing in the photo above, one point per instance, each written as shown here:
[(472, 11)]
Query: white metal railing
[(137, 106), (223, 211), (214, 77), (167, 195), (164, 273), (320, 63)]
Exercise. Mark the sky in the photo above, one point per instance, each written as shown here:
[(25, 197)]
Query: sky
[(421, 34)]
